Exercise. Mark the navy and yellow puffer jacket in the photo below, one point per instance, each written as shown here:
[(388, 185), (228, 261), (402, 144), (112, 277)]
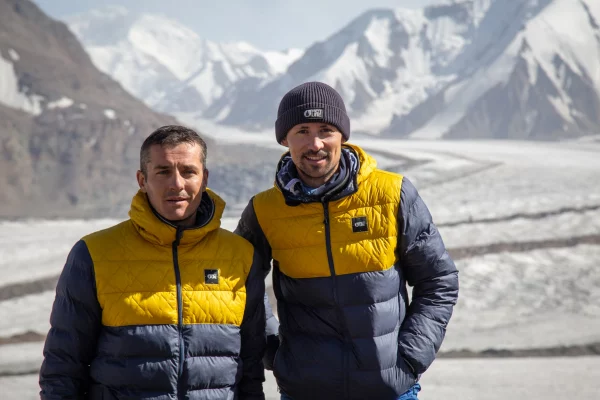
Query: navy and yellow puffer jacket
[(341, 266), (145, 310)]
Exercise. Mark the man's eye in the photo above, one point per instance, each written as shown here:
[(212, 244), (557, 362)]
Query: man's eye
[(163, 172)]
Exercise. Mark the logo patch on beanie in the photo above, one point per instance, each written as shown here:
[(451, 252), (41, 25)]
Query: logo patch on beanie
[(314, 113)]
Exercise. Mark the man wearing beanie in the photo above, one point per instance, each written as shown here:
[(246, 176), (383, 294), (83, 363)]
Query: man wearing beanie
[(345, 239)]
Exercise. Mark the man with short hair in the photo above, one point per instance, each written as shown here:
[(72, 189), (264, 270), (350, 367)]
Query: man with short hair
[(345, 238), (166, 305)]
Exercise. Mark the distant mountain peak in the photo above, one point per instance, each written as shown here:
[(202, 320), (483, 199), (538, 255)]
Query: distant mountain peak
[(111, 11), (167, 64)]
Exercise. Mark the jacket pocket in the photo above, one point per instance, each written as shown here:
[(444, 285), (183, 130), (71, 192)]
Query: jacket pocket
[(410, 367), (406, 374)]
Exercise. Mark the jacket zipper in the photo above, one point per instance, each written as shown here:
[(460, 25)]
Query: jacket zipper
[(347, 347), (178, 236)]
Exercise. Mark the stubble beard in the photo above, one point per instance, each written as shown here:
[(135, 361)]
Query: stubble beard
[(313, 174)]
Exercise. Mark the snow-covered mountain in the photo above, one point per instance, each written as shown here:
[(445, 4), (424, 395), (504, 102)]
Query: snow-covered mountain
[(461, 68), (531, 70), (167, 64), (384, 63), (458, 68)]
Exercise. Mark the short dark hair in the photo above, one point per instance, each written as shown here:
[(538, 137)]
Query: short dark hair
[(170, 136)]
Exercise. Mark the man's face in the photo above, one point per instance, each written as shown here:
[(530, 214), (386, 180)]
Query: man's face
[(174, 181), (315, 149)]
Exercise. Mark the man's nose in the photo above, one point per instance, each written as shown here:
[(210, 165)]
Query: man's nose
[(177, 181), (315, 143)]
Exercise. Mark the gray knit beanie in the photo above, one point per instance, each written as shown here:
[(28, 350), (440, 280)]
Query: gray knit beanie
[(311, 102)]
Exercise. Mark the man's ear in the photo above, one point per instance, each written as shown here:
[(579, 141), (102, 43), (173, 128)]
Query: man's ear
[(284, 142), (205, 180), (141, 178)]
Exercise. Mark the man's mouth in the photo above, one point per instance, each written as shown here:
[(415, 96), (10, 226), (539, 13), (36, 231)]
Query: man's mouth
[(176, 199), (315, 158)]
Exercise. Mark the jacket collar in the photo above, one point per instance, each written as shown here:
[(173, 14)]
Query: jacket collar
[(345, 186), (157, 230)]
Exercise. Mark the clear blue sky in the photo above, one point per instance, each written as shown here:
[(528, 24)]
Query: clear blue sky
[(267, 24)]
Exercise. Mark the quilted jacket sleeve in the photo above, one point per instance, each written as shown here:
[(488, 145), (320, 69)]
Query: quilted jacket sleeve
[(253, 334), (249, 228), (433, 275), (75, 324)]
